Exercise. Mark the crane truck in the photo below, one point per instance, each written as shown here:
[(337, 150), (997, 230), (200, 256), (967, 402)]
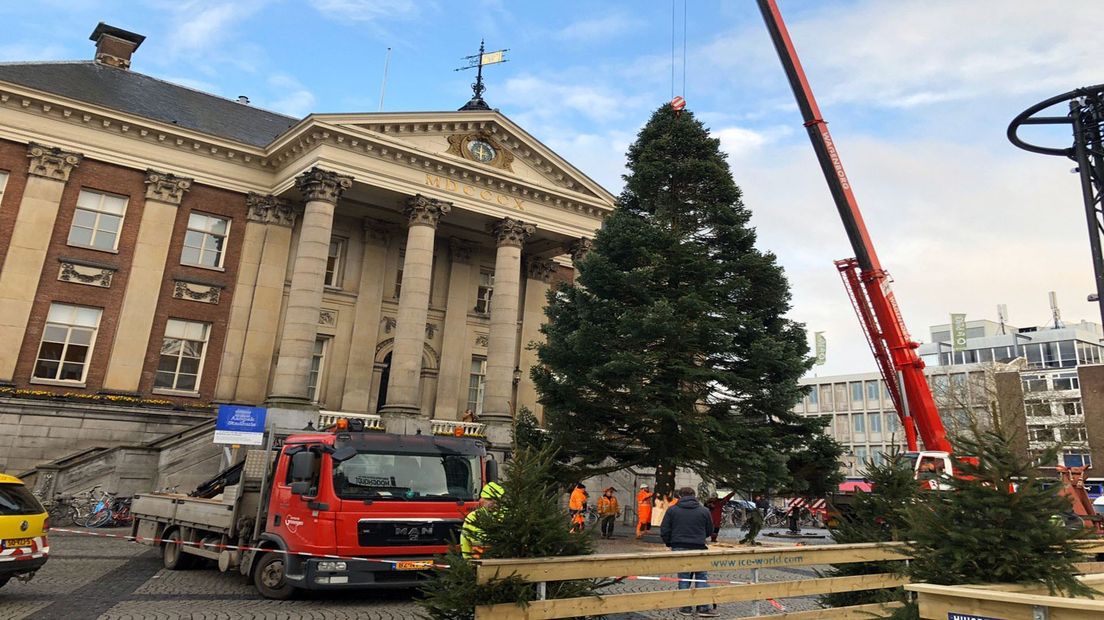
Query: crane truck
[(340, 508), (868, 286)]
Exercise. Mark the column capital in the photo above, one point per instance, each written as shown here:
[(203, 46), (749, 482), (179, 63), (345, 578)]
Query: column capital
[(166, 187), (461, 250), (51, 162), (540, 269), (423, 211), (580, 248), (511, 232), (268, 209), (377, 231), (325, 185)]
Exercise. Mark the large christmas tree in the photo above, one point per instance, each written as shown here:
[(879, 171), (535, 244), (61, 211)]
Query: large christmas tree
[(672, 349)]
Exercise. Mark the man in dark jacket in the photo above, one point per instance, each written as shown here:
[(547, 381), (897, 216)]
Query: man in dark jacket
[(685, 527)]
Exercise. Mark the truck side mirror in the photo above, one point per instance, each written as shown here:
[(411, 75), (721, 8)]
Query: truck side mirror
[(302, 487), (492, 470), (343, 454), (302, 466)]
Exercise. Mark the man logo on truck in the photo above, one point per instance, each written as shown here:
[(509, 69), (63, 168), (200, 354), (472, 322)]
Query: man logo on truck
[(414, 532)]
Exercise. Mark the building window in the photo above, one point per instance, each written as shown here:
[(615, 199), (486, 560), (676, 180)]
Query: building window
[(875, 420), (1067, 381), (67, 341), (1034, 383), (841, 397), (811, 401), (3, 184), (97, 220), (485, 291), (1072, 407), (334, 262), (1040, 432), (872, 400), (182, 352), (860, 456), (1073, 432), (858, 423), (1077, 459), (826, 397), (398, 274), (477, 382), (857, 395), (893, 425), (318, 364), (205, 241)]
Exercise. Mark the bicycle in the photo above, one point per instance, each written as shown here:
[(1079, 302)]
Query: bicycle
[(774, 517)]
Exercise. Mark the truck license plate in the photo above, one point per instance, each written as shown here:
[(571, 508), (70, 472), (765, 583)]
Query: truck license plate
[(414, 565), (12, 543)]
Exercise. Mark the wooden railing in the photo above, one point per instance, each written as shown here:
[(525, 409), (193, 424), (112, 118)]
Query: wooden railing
[(539, 570), (542, 570)]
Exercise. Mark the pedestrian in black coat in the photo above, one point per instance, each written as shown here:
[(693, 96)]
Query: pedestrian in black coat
[(685, 527)]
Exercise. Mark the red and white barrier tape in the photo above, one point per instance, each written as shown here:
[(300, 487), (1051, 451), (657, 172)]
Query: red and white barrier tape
[(221, 546)]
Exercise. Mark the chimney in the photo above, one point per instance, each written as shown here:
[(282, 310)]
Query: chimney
[(114, 46)]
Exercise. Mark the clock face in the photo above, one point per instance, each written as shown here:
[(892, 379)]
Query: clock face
[(481, 151)]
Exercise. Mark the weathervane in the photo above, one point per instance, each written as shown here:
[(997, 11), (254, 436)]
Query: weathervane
[(476, 62)]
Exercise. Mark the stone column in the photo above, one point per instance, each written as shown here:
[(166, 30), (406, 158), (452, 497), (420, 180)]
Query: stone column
[(321, 189), (578, 250), (510, 235), (539, 272), (164, 192), (401, 412), (258, 296), (34, 225), (454, 359), (362, 353)]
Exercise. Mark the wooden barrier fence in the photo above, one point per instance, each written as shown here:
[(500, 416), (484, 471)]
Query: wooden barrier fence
[(542, 570)]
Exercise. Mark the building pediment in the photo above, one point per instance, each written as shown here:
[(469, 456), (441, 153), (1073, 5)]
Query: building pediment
[(479, 140)]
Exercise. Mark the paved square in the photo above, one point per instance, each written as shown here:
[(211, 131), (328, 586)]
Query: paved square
[(108, 579)]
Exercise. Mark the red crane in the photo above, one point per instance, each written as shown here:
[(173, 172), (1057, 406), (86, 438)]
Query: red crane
[(866, 282)]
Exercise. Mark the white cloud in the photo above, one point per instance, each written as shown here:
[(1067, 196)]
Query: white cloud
[(541, 98), (740, 142), (290, 96), (366, 10), (30, 52), (910, 54), (960, 228), (602, 28)]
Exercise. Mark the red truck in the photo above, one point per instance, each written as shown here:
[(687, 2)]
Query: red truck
[(342, 508)]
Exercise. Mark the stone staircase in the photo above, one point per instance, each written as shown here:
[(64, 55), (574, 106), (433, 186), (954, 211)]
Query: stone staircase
[(183, 458)]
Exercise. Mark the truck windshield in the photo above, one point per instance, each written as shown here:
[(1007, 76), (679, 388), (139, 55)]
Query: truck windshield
[(370, 475)]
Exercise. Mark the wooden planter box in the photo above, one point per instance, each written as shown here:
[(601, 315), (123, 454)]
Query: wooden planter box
[(1006, 602)]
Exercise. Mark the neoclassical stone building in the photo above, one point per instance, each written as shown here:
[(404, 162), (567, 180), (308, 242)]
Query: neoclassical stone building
[(165, 249)]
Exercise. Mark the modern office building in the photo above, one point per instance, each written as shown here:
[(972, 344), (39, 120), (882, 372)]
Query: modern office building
[(1046, 382)]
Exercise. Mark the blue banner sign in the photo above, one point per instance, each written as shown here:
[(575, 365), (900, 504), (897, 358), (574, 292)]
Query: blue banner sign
[(240, 425)]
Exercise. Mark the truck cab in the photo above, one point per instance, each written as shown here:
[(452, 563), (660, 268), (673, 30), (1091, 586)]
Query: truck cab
[(393, 501)]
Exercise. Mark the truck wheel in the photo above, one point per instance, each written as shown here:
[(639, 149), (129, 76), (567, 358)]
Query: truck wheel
[(172, 554), (268, 577)]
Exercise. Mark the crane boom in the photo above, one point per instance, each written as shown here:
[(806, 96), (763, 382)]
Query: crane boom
[(867, 283)]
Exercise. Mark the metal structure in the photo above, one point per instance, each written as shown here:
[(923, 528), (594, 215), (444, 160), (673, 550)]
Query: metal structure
[(1085, 117), (867, 283), (476, 62)]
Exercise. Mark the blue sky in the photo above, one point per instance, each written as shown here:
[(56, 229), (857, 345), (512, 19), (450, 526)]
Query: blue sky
[(918, 96)]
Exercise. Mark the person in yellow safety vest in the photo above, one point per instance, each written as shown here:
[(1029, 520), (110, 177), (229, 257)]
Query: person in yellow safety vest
[(470, 533)]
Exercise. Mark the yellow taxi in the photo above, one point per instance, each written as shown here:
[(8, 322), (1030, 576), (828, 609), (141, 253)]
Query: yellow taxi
[(23, 527)]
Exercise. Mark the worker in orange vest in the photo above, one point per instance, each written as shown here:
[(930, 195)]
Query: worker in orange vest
[(576, 506), (643, 510), (608, 510)]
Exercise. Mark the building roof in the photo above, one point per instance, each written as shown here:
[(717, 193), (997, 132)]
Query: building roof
[(148, 97)]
